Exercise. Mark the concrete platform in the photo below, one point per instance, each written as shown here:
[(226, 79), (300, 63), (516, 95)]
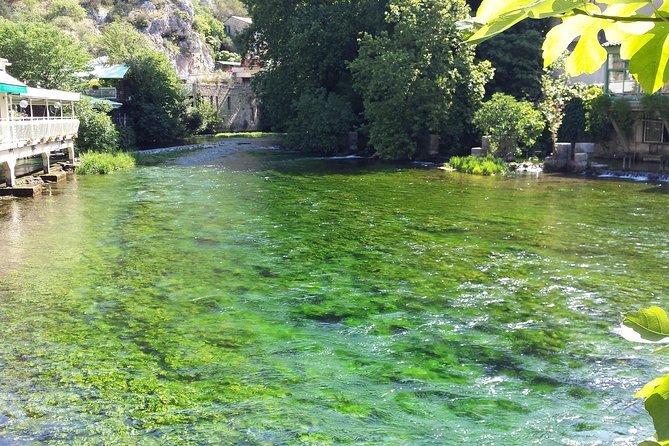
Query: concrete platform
[(54, 177), (25, 190)]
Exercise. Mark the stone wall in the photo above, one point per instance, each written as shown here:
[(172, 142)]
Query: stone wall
[(235, 103)]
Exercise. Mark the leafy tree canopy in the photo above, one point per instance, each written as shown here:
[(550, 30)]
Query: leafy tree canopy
[(42, 55), (641, 27), (423, 67)]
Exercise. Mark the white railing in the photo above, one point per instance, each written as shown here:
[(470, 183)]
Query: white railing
[(101, 92), (20, 130)]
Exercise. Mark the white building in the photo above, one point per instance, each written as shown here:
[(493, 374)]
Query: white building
[(33, 122)]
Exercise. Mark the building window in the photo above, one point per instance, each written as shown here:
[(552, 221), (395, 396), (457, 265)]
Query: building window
[(653, 131), (620, 80)]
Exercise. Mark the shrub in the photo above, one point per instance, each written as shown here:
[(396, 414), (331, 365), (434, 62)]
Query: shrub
[(488, 165), (201, 119), (97, 132), (104, 163), (508, 123)]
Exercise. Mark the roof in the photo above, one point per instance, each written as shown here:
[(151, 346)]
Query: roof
[(9, 84), (243, 19), (56, 95), (117, 71), (94, 101)]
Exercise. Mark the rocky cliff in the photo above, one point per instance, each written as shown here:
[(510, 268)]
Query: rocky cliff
[(169, 24)]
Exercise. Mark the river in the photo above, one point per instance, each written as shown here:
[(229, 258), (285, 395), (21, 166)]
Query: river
[(257, 297)]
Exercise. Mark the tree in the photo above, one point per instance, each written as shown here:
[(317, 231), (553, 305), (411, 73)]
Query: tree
[(413, 76), (42, 55), (156, 97), (520, 75), (318, 123), (643, 36), (306, 46), (508, 123)]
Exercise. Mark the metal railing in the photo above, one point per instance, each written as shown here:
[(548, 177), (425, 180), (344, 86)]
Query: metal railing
[(17, 130), (101, 92)]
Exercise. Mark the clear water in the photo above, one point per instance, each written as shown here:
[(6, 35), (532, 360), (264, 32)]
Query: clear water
[(256, 298)]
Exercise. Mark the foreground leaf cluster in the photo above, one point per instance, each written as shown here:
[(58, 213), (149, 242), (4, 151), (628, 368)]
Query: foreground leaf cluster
[(640, 27), (652, 325)]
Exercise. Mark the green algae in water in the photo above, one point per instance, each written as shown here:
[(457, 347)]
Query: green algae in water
[(256, 298)]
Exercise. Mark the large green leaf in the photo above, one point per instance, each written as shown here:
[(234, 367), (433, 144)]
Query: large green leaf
[(652, 324), (649, 57), (658, 408), (658, 385)]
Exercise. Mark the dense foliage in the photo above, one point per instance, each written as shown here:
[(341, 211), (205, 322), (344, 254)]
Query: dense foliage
[(421, 67), (307, 46), (320, 121), (97, 132), (643, 33), (509, 124), (41, 54), (520, 75), (409, 76), (157, 99)]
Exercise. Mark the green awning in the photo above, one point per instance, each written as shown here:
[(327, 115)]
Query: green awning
[(16, 89), (9, 84)]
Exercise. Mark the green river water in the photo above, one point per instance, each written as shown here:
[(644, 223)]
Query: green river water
[(260, 298)]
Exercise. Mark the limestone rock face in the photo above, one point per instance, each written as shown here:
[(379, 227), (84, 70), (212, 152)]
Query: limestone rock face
[(170, 29)]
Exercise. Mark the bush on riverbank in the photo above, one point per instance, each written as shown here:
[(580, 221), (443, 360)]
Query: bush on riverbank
[(488, 165), (104, 163)]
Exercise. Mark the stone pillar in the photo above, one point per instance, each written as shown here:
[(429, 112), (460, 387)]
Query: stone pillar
[(353, 141), (485, 145), (46, 162), (9, 169), (433, 146), (70, 152)]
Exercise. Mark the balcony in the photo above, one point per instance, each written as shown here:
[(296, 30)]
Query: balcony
[(102, 93), (17, 132)]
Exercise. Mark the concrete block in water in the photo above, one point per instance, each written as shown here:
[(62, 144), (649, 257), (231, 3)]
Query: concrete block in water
[(584, 147), (581, 157), (29, 190), (478, 151), (53, 177), (562, 150)]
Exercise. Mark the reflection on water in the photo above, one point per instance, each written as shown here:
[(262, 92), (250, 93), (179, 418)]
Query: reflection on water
[(259, 298)]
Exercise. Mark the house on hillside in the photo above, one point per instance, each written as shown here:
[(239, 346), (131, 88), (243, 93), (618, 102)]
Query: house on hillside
[(236, 24), (107, 85), (33, 122), (647, 139)]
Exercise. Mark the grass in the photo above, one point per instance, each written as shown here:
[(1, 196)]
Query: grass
[(104, 162), (246, 134), (488, 165)]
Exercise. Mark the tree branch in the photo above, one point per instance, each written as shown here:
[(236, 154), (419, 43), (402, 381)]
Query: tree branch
[(630, 19)]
